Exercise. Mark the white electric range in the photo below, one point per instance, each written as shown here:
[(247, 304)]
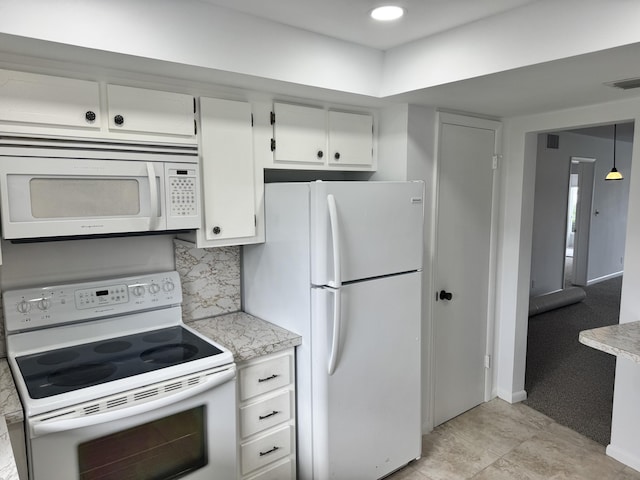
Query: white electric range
[(115, 386)]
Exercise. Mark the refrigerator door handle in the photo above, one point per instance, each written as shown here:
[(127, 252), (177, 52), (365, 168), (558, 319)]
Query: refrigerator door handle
[(337, 327), (335, 241)]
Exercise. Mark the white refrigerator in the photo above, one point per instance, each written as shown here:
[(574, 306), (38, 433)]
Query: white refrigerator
[(342, 267)]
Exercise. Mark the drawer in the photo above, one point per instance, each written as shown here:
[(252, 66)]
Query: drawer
[(267, 449), (265, 414), (282, 471), (265, 376)]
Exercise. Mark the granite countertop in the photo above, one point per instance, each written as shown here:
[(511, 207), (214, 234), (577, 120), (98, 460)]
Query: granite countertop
[(11, 413), (622, 340), (245, 335)]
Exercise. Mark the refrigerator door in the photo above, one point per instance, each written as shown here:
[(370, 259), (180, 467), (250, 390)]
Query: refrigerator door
[(366, 415), (379, 227)]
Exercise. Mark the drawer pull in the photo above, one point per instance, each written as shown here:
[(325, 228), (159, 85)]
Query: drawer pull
[(266, 379), (262, 454), (262, 417)]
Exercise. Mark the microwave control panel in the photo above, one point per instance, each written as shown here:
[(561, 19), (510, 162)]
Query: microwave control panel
[(182, 196)]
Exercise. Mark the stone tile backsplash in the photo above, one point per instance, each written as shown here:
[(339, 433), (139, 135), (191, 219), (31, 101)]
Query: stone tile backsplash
[(210, 280)]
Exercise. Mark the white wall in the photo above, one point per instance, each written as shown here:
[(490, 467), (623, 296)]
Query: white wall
[(514, 262), (39, 263), (539, 32), (193, 33), (196, 33), (406, 151), (610, 199)]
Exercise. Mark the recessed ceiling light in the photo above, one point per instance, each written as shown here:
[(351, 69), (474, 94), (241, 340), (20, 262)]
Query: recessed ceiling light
[(387, 13)]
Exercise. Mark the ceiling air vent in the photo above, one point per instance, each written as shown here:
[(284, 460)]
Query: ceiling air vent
[(627, 84)]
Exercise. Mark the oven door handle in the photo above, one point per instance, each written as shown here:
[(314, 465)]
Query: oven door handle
[(55, 426)]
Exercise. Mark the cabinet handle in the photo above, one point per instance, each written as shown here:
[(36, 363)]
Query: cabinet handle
[(320, 154), (90, 116), (118, 119), (262, 454), (216, 230), (266, 379), (337, 156), (262, 417)]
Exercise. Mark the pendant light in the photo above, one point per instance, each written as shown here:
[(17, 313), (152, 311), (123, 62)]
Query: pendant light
[(614, 174)]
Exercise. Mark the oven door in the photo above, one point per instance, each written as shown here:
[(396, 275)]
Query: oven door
[(175, 429), (51, 197)]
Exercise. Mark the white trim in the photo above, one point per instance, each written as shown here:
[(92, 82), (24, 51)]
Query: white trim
[(512, 397), (623, 456), (605, 277)]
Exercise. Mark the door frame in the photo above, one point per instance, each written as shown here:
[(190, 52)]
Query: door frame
[(586, 179), (490, 379)]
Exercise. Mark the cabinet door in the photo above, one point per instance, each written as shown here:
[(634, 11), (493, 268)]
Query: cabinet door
[(47, 100), (226, 147), (350, 139), (149, 111), (300, 134)]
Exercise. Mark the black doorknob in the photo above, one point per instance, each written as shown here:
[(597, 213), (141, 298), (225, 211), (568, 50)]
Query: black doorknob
[(337, 156), (118, 119), (90, 116), (216, 230), (320, 154), (444, 295)]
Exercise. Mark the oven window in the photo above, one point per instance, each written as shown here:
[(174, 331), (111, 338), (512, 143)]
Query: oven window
[(84, 197), (164, 449)]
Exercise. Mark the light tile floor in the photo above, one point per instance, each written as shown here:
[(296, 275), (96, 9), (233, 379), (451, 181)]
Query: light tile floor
[(500, 441)]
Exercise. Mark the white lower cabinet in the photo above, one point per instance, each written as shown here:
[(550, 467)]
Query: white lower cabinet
[(266, 391)]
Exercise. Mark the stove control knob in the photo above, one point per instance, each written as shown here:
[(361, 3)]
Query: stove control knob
[(44, 304), (138, 290), (24, 306), (154, 288), (168, 286)]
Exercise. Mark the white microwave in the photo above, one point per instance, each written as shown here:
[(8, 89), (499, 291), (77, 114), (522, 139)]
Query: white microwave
[(76, 188)]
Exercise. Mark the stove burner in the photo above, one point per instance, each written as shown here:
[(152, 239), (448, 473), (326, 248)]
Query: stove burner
[(113, 347), (161, 336), (173, 353), (54, 358), (85, 374)]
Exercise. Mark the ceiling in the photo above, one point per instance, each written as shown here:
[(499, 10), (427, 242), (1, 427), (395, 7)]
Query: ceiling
[(349, 19), (566, 83)]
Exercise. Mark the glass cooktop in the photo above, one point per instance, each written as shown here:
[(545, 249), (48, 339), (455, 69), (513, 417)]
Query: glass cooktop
[(80, 366)]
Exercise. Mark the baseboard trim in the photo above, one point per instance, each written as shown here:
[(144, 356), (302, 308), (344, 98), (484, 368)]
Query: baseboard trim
[(512, 397), (605, 278), (623, 456)]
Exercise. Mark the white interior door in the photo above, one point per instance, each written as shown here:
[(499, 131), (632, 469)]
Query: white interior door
[(462, 264), (586, 175)]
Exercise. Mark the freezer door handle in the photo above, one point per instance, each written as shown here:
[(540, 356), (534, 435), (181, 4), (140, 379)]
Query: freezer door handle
[(335, 241), (337, 327)]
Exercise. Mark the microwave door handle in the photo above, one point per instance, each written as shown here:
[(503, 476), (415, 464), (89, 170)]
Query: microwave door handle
[(54, 426), (153, 196)]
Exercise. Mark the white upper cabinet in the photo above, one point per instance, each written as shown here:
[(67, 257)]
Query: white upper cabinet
[(309, 138), (43, 100), (49, 105), (232, 184), (350, 139), (150, 111), (299, 134)]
